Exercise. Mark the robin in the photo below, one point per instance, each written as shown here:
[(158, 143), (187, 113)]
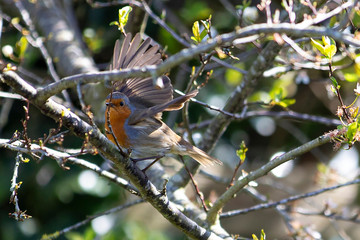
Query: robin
[(134, 108)]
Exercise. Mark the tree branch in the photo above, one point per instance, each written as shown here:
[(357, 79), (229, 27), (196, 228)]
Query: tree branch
[(238, 185), (285, 200), (299, 30), (90, 218), (60, 157), (81, 129)]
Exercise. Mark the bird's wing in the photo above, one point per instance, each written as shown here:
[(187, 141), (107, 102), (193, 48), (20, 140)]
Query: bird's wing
[(141, 91), (141, 113)]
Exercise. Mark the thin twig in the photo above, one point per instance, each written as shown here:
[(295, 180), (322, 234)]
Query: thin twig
[(163, 24), (25, 125), (286, 200), (187, 54), (197, 190), (275, 114), (185, 110), (342, 105), (80, 128), (328, 214), (241, 183), (90, 218), (298, 49), (231, 182), (262, 198), (59, 156), (18, 215)]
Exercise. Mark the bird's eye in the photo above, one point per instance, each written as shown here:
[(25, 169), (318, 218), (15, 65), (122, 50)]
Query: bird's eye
[(122, 103)]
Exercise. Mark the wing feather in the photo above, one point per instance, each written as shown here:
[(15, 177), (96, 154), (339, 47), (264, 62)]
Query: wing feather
[(174, 104), (124, 49), (141, 91), (135, 43)]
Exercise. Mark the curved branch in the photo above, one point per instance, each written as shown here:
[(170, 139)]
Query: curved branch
[(299, 30), (82, 129), (265, 59), (241, 183)]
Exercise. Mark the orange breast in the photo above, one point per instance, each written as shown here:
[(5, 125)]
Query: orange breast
[(117, 118)]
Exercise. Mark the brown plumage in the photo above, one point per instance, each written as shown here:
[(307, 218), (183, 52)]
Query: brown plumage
[(135, 107)]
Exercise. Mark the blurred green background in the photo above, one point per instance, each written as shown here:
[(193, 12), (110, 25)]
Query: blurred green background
[(58, 198)]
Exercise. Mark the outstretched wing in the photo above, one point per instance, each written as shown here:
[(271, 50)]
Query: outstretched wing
[(141, 91), (154, 111)]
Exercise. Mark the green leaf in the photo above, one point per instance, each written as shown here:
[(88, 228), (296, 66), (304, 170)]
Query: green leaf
[(194, 39), (286, 102), (334, 82), (21, 47), (262, 236), (203, 34), (114, 23), (351, 131), (198, 37), (124, 14), (241, 153), (123, 18), (327, 47), (196, 32), (330, 51), (333, 89), (317, 44)]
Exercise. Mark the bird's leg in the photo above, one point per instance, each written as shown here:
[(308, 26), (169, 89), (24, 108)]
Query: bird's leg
[(152, 163), (157, 158)]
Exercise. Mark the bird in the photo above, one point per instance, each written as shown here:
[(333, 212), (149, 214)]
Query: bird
[(133, 116)]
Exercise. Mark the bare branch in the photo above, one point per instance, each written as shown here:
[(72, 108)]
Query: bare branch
[(81, 129), (90, 218), (329, 215), (238, 185), (286, 200), (275, 114), (60, 157), (187, 54), (18, 215)]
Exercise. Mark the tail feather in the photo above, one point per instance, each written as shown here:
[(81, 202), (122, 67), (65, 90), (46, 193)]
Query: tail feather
[(198, 155), (201, 157)]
